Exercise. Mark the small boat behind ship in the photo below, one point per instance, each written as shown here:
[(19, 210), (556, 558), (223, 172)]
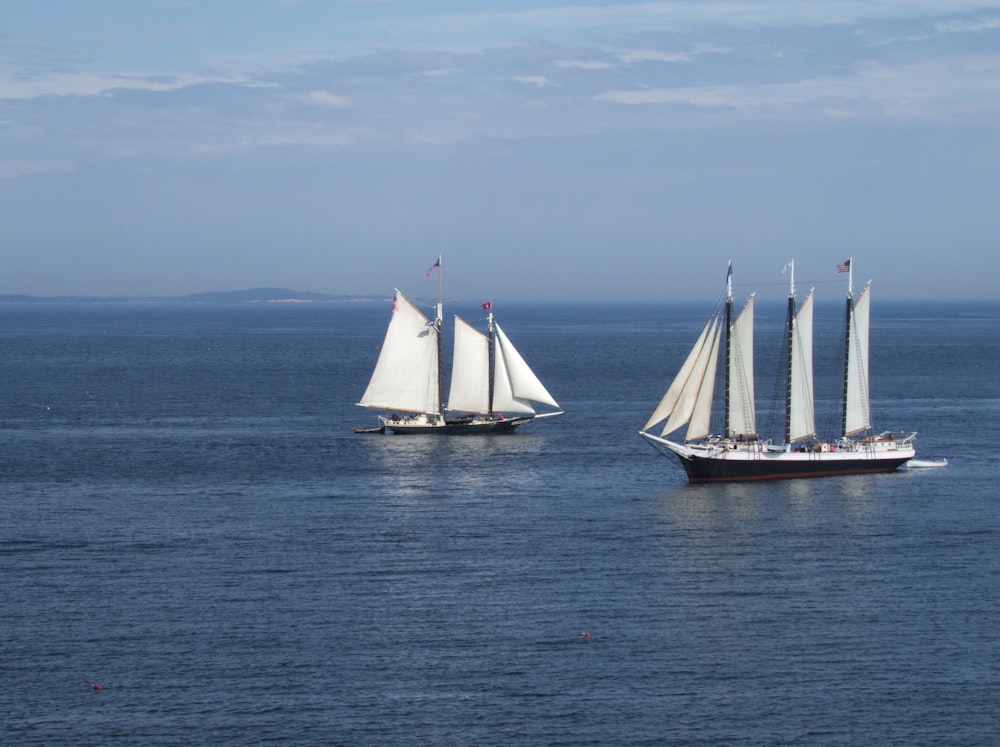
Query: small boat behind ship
[(738, 453)]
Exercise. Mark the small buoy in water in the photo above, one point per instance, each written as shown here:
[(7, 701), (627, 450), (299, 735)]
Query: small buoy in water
[(96, 686), (585, 635)]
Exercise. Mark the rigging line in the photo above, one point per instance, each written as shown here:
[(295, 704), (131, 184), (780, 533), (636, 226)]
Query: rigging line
[(798, 282), (834, 414)]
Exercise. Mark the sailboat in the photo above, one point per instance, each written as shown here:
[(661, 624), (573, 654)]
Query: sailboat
[(739, 453), (492, 388)]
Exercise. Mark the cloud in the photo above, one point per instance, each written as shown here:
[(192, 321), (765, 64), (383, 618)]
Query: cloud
[(31, 166), (963, 26), (938, 90), (583, 65), (328, 99), (539, 81), (727, 69), (96, 84), (573, 23), (654, 55), (288, 137)]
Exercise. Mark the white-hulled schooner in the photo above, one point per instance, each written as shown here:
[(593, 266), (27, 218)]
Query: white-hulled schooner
[(492, 388), (738, 453)]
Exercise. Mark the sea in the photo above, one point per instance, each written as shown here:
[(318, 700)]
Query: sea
[(196, 548)]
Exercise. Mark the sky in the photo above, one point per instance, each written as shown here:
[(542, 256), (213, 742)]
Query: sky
[(551, 151)]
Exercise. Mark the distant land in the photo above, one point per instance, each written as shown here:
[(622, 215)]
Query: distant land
[(253, 295)]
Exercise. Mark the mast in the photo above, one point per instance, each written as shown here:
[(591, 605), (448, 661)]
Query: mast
[(438, 322), (790, 332), (729, 339), (491, 347), (849, 313)]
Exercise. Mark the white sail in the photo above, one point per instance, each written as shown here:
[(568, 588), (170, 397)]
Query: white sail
[(515, 385), (687, 397), (669, 400), (702, 414), (742, 416), (470, 371), (857, 409), (406, 374), (802, 417)]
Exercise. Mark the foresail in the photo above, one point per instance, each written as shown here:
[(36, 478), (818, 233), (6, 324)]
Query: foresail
[(857, 410), (406, 374), (698, 379), (742, 415), (673, 393), (470, 390), (802, 419), (515, 385), (702, 413)]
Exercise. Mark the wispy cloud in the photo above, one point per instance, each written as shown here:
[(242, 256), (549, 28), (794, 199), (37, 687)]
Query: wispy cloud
[(95, 84), (654, 55), (952, 89), (328, 100), (572, 23), (719, 61), (291, 136), (538, 81), (968, 26), (29, 167), (583, 64)]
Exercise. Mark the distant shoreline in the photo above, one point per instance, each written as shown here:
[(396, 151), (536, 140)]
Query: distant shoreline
[(253, 295), (292, 297)]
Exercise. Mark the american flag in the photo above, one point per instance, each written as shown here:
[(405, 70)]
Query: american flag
[(844, 266), (431, 268)]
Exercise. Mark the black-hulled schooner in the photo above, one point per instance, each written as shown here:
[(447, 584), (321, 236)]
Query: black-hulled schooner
[(738, 453)]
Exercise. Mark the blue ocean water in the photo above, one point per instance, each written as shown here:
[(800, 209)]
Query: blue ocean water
[(190, 523)]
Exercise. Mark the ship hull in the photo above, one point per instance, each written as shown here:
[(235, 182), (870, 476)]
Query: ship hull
[(730, 461), (709, 469), (459, 427)]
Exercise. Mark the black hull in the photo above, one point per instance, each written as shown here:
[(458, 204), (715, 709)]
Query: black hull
[(459, 428), (700, 469)]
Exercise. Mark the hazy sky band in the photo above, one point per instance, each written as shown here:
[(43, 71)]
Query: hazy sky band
[(398, 128)]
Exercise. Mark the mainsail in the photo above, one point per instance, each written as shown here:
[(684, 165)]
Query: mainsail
[(406, 375), (470, 390), (515, 385), (801, 412), (742, 418), (857, 409)]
